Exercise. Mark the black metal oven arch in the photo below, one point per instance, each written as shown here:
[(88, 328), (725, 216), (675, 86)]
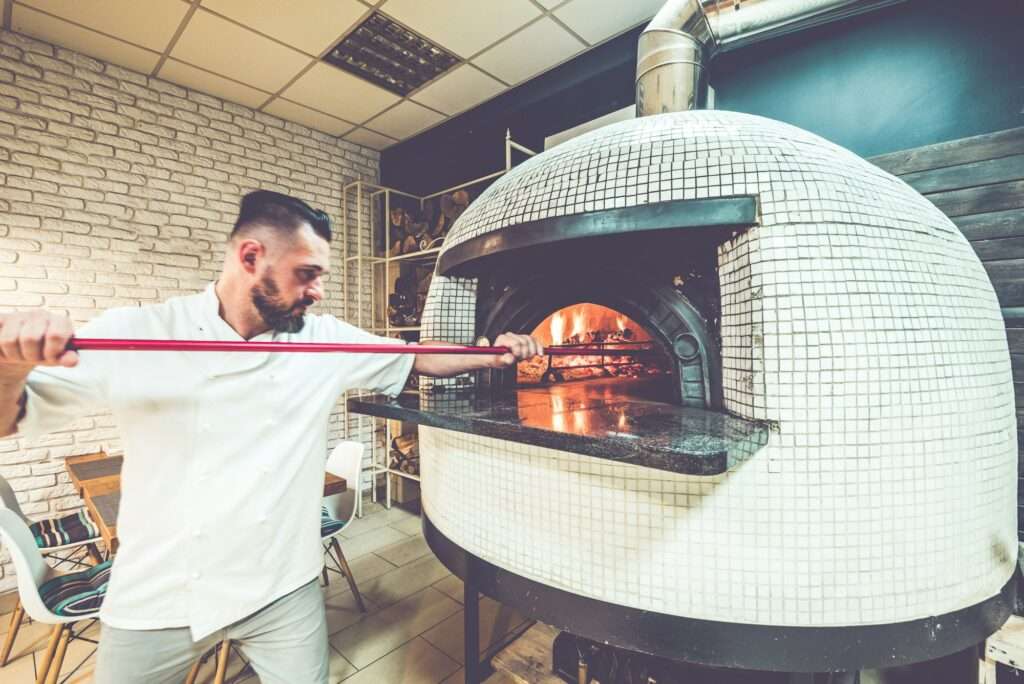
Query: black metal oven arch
[(667, 315)]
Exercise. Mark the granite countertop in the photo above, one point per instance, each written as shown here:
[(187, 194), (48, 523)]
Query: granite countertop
[(593, 418)]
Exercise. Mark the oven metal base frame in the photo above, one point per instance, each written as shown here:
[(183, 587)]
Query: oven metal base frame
[(722, 644)]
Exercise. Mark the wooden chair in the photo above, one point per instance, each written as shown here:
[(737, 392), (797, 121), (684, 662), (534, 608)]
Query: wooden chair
[(70, 540), (346, 461), (221, 651), (50, 596)]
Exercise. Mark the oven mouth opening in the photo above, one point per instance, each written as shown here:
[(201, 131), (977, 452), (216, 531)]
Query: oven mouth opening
[(630, 350)]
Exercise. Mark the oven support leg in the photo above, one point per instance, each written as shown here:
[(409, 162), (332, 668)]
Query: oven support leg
[(471, 628)]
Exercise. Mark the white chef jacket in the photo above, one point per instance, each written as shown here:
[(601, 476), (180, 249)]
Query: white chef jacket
[(224, 462)]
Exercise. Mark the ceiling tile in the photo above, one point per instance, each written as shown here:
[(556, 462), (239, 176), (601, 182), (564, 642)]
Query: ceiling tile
[(225, 48), (340, 94), (308, 25), (212, 84), (72, 37), (536, 48), (597, 20), (361, 136), (307, 117), (404, 119), (461, 89), (150, 24), (462, 26)]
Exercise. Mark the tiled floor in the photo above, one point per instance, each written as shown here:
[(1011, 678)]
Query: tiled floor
[(411, 633)]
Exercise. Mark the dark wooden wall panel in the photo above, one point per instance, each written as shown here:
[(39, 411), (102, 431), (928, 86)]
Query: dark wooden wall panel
[(963, 151), (979, 183)]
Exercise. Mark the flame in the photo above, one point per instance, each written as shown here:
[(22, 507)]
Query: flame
[(557, 328), (579, 322), (585, 323)]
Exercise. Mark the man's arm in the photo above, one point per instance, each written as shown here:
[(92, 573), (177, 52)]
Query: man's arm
[(446, 365), (28, 339)]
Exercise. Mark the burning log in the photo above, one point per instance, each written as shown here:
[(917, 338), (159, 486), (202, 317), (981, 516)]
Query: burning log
[(590, 325)]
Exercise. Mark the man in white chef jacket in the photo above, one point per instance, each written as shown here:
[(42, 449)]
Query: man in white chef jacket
[(224, 452)]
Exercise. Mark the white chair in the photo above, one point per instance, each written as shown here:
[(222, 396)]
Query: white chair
[(50, 596), (69, 539), (345, 461)]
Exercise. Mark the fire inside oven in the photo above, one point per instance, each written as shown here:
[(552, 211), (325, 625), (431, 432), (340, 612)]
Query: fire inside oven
[(650, 302), (629, 350)]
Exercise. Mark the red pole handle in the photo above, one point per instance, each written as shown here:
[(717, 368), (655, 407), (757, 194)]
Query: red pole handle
[(97, 344)]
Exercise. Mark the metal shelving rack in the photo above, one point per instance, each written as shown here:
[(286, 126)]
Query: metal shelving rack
[(366, 209)]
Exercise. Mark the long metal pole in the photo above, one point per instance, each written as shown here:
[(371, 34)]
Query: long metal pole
[(101, 344)]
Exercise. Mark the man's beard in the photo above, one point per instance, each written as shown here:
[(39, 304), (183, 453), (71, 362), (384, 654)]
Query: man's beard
[(277, 314)]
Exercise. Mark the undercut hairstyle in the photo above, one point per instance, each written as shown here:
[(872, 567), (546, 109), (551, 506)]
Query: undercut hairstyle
[(279, 212)]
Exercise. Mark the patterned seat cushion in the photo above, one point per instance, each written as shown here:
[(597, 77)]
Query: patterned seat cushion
[(328, 525), (79, 594), (71, 529)]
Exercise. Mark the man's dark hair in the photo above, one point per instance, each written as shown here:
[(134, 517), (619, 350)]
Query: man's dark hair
[(281, 212)]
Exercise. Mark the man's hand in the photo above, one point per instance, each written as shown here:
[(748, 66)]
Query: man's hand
[(522, 347), (34, 338), (449, 365)]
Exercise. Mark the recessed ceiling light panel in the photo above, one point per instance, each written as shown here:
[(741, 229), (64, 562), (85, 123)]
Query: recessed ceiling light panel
[(390, 55)]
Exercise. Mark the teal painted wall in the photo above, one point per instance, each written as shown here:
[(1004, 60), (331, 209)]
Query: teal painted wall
[(916, 73), (922, 72)]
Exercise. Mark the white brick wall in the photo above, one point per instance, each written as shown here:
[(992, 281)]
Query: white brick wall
[(117, 189)]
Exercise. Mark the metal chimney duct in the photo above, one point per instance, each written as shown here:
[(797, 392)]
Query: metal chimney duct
[(685, 34), (670, 59)]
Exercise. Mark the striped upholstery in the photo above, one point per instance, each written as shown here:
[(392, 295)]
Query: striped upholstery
[(77, 594), (70, 529), (328, 525)]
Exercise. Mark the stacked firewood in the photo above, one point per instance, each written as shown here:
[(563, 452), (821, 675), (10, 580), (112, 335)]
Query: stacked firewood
[(405, 454), (424, 227), (414, 229), (405, 303)]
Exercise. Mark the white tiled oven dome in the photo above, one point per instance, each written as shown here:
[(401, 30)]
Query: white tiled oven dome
[(855, 316)]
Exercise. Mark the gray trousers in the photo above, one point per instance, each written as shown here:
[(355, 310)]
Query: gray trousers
[(286, 642)]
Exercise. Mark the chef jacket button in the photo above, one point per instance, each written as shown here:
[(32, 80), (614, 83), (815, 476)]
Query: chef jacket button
[(196, 575)]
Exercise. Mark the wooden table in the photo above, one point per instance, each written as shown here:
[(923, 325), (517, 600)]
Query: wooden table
[(97, 477), (103, 511), (98, 469), (333, 484)]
